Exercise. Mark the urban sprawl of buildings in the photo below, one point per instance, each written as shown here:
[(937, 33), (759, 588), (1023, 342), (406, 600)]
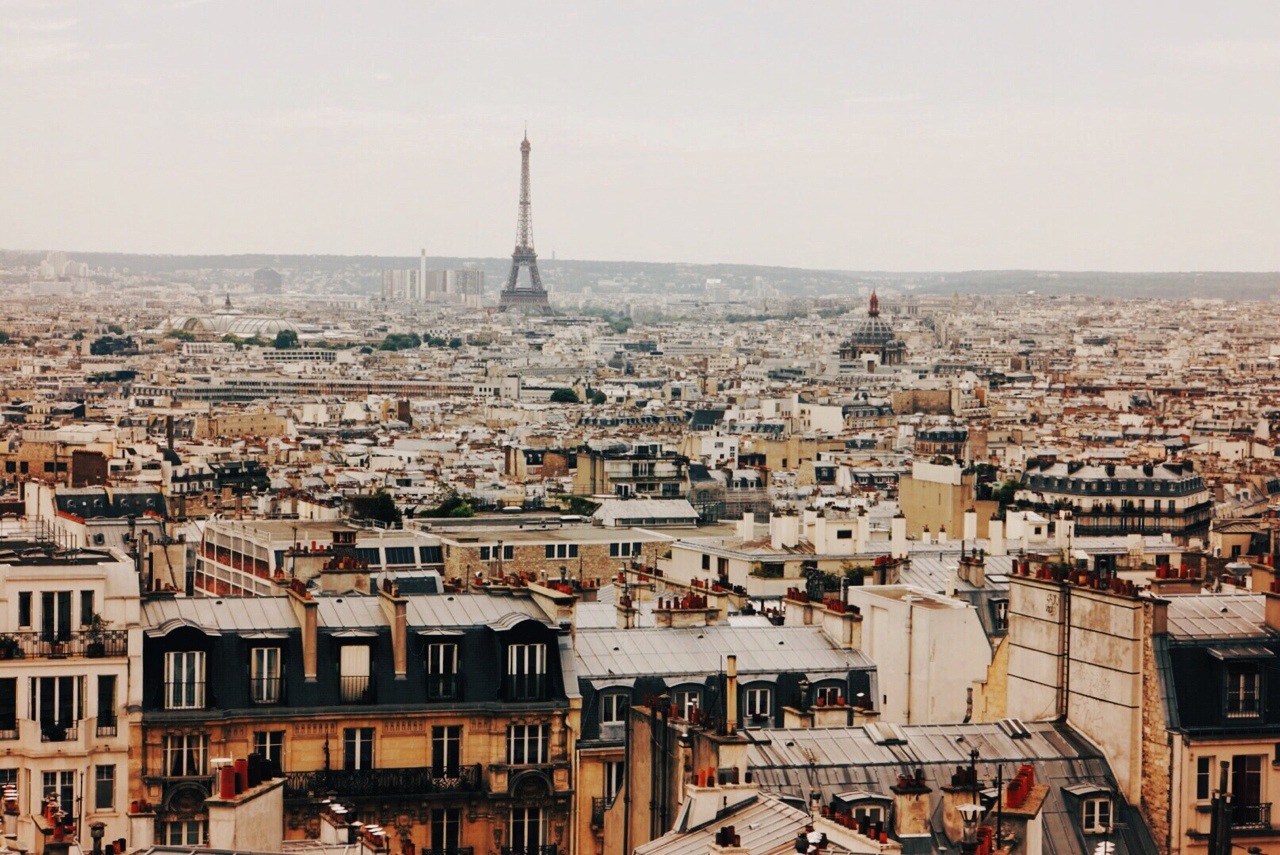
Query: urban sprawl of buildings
[(290, 566)]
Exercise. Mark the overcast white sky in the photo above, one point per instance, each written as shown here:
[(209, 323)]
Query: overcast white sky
[(857, 135)]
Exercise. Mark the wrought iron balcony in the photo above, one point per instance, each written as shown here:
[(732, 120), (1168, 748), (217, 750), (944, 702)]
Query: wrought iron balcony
[(356, 690), (266, 690), (443, 687), (34, 644), (1251, 816), (548, 849), (59, 731), (381, 783), (106, 727)]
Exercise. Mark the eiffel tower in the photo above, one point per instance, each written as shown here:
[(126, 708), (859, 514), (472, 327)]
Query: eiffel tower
[(532, 298)]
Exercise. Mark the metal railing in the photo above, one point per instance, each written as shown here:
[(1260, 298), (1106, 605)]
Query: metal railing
[(59, 732), (377, 783), (9, 729), (34, 644), (106, 726), (526, 687), (546, 849), (1251, 816), (355, 690), (461, 850), (266, 690), (184, 695), (443, 687)]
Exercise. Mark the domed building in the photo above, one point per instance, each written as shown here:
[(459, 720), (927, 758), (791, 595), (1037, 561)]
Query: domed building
[(231, 320), (872, 341)]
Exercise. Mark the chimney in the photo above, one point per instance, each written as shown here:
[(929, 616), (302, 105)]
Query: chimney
[(942, 534), (911, 806), (747, 526), (819, 538), (395, 608), (970, 525), (926, 536), (898, 537), (305, 608), (995, 537), (863, 531), (1014, 522), (1065, 530), (784, 531), (731, 694)]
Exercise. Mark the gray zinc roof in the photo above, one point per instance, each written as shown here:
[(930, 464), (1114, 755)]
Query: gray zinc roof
[(701, 650), (1217, 616)]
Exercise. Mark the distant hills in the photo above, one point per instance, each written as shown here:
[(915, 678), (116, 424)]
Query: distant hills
[(676, 278)]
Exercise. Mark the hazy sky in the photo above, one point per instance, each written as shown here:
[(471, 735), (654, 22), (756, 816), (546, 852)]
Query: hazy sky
[(857, 135)]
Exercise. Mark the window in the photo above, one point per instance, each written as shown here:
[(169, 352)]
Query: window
[(1246, 779), (9, 708), (446, 751), (1204, 778), (188, 832), (491, 553), (446, 829), (706, 562), (264, 675), (357, 748), (871, 812), (687, 702), (526, 830), (86, 608), (526, 744), (1000, 615), (55, 616), (1244, 695), (104, 787), (614, 776), (269, 745), (24, 608), (106, 704), (353, 673), (370, 554), (184, 680), (828, 696), (624, 550), (844, 534), (62, 786), (186, 755), (442, 671), (526, 671), (561, 550), (399, 555), (55, 703), (756, 704), (1096, 815), (613, 707)]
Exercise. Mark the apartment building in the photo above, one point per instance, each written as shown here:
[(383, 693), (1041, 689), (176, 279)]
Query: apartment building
[(447, 720), (70, 670)]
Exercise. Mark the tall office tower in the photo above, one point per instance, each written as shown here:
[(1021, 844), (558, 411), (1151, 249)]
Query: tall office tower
[(532, 298), (422, 274)]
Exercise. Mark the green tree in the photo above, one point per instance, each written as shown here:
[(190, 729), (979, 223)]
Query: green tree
[(565, 396), (4, 337), (598, 397), (380, 507), (285, 340), (108, 345), (453, 505), (400, 341), (232, 338), (181, 335), (115, 329)]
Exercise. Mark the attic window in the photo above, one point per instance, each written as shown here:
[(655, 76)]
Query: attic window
[(1095, 815)]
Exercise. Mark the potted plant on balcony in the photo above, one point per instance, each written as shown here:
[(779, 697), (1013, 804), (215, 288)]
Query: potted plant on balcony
[(97, 646), (9, 648)]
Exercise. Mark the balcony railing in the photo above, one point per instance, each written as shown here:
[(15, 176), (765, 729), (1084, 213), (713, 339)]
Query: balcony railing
[(1251, 816), (381, 783), (356, 690), (106, 727), (184, 695), (266, 690), (34, 644), (9, 729), (58, 732), (526, 687), (443, 687), (547, 849), (461, 850)]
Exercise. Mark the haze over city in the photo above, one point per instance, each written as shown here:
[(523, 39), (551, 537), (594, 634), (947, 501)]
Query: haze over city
[(842, 135)]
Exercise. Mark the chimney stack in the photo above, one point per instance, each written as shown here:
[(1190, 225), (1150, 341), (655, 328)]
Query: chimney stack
[(898, 537), (995, 537), (970, 525), (395, 608), (305, 608), (731, 694)]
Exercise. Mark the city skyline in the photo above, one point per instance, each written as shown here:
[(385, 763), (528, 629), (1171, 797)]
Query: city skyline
[(842, 136)]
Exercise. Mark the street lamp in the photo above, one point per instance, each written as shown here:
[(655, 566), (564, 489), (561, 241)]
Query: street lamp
[(969, 815)]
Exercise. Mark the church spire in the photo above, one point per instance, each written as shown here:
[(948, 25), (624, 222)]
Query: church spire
[(873, 311)]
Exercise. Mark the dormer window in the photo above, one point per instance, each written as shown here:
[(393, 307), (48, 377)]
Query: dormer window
[(1244, 690), (526, 672), (1000, 615), (613, 707), (1095, 815)]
